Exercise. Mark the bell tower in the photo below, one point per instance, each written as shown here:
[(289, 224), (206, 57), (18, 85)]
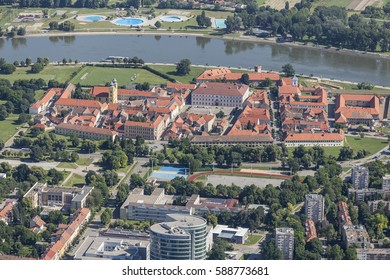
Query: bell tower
[(113, 94)]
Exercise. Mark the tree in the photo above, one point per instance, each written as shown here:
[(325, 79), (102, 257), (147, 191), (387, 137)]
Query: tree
[(1, 144), (233, 24), (37, 67), (88, 146), (270, 251), (23, 118), (288, 69), (28, 61), (183, 67), (7, 69), (3, 113), (75, 140), (335, 252), (221, 114), (56, 176), (202, 20), (157, 24), (245, 79), (106, 216)]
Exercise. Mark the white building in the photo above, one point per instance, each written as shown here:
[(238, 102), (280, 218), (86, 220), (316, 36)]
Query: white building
[(284, 240), (220, 94), (236, 235)]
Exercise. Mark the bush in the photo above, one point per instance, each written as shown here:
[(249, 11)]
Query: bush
[(36, 67), (7, 69)]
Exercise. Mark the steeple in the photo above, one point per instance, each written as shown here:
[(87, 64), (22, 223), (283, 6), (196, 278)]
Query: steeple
[(113, 95)]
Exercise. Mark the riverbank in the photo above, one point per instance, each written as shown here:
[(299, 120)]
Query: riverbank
[(242, 38)]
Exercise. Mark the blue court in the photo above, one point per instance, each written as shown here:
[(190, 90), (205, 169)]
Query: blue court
[(178, 169)]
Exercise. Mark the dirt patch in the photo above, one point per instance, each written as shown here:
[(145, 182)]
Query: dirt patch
[(279, 4), (360, 5)]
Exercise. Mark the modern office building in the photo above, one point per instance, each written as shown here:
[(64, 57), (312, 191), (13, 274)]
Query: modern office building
[(314, 207), (360, 176), (284, 240), (181, 237), (235, 235)]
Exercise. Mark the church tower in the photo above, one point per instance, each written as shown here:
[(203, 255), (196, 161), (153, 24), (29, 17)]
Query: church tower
[(113, 94)]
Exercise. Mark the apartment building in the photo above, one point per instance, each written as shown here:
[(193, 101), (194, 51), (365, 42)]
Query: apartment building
[(355, 235), (360, 177), (284, 240), (314, 207)]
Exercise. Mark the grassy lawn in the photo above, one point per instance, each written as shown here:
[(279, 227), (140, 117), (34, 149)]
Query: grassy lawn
[(253, 239), (372, 145), (8, 127), (71, 165), (170, 70), (100, 76), (51, 72), (123, 169), (84, 161), (75, 179)]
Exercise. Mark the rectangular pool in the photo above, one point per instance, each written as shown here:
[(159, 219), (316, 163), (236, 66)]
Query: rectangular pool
[(166, 176), (220, 23), (178, 169)]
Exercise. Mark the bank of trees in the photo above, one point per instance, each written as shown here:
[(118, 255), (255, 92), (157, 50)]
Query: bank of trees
[(56, 3)]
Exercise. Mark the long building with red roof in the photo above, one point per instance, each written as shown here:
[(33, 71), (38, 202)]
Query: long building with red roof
[(89, 132), (315, 139)]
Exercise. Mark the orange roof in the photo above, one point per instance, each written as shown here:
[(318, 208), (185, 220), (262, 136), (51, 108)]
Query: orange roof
[(87, 129), (79, 103), (208, 88), (213, 74), (289, 90), (314, 137), (38, 221), (181, 86), (46, 98)]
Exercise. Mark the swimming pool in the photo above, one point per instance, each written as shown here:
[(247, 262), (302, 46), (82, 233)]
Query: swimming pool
[(91, 18), (166, 176), (171, 18), (220, 23), (174, 169), (128, 21)]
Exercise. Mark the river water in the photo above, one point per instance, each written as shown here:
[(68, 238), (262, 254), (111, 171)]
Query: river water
[(170, 49)]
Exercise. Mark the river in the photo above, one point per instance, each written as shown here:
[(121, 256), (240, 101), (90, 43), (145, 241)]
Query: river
[(200, 50)]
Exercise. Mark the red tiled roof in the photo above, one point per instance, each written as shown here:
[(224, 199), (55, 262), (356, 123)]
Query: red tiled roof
[(209, 88), (46, 98), (289, 90), (79, 103), (314, 137), (153, 124), (181, 86)]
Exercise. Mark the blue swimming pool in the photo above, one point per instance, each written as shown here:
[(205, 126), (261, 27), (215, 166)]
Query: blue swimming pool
[(91, 18), (166, 176), (128, 21), (174, 169), (220, 23), (171, 18)]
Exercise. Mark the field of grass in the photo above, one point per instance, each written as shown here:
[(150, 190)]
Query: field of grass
[(84, 161), (253, 239), (328, 3), (75, 179), (51, 72), (170, 70), (100, 76), (70, 165), (8, 127)]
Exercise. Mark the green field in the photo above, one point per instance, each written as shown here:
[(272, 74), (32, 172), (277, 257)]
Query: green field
[(8, 127), (253, 239), (372, 145), (69, 165), (170, 70), (84, 161), (51, 72), (100, 76), (75, 179)]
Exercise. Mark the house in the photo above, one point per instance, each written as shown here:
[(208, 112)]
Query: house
[(150, 130), (37, 225), (42, 104)]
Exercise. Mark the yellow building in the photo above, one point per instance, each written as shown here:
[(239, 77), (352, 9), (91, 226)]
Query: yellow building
[(113, 93)]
